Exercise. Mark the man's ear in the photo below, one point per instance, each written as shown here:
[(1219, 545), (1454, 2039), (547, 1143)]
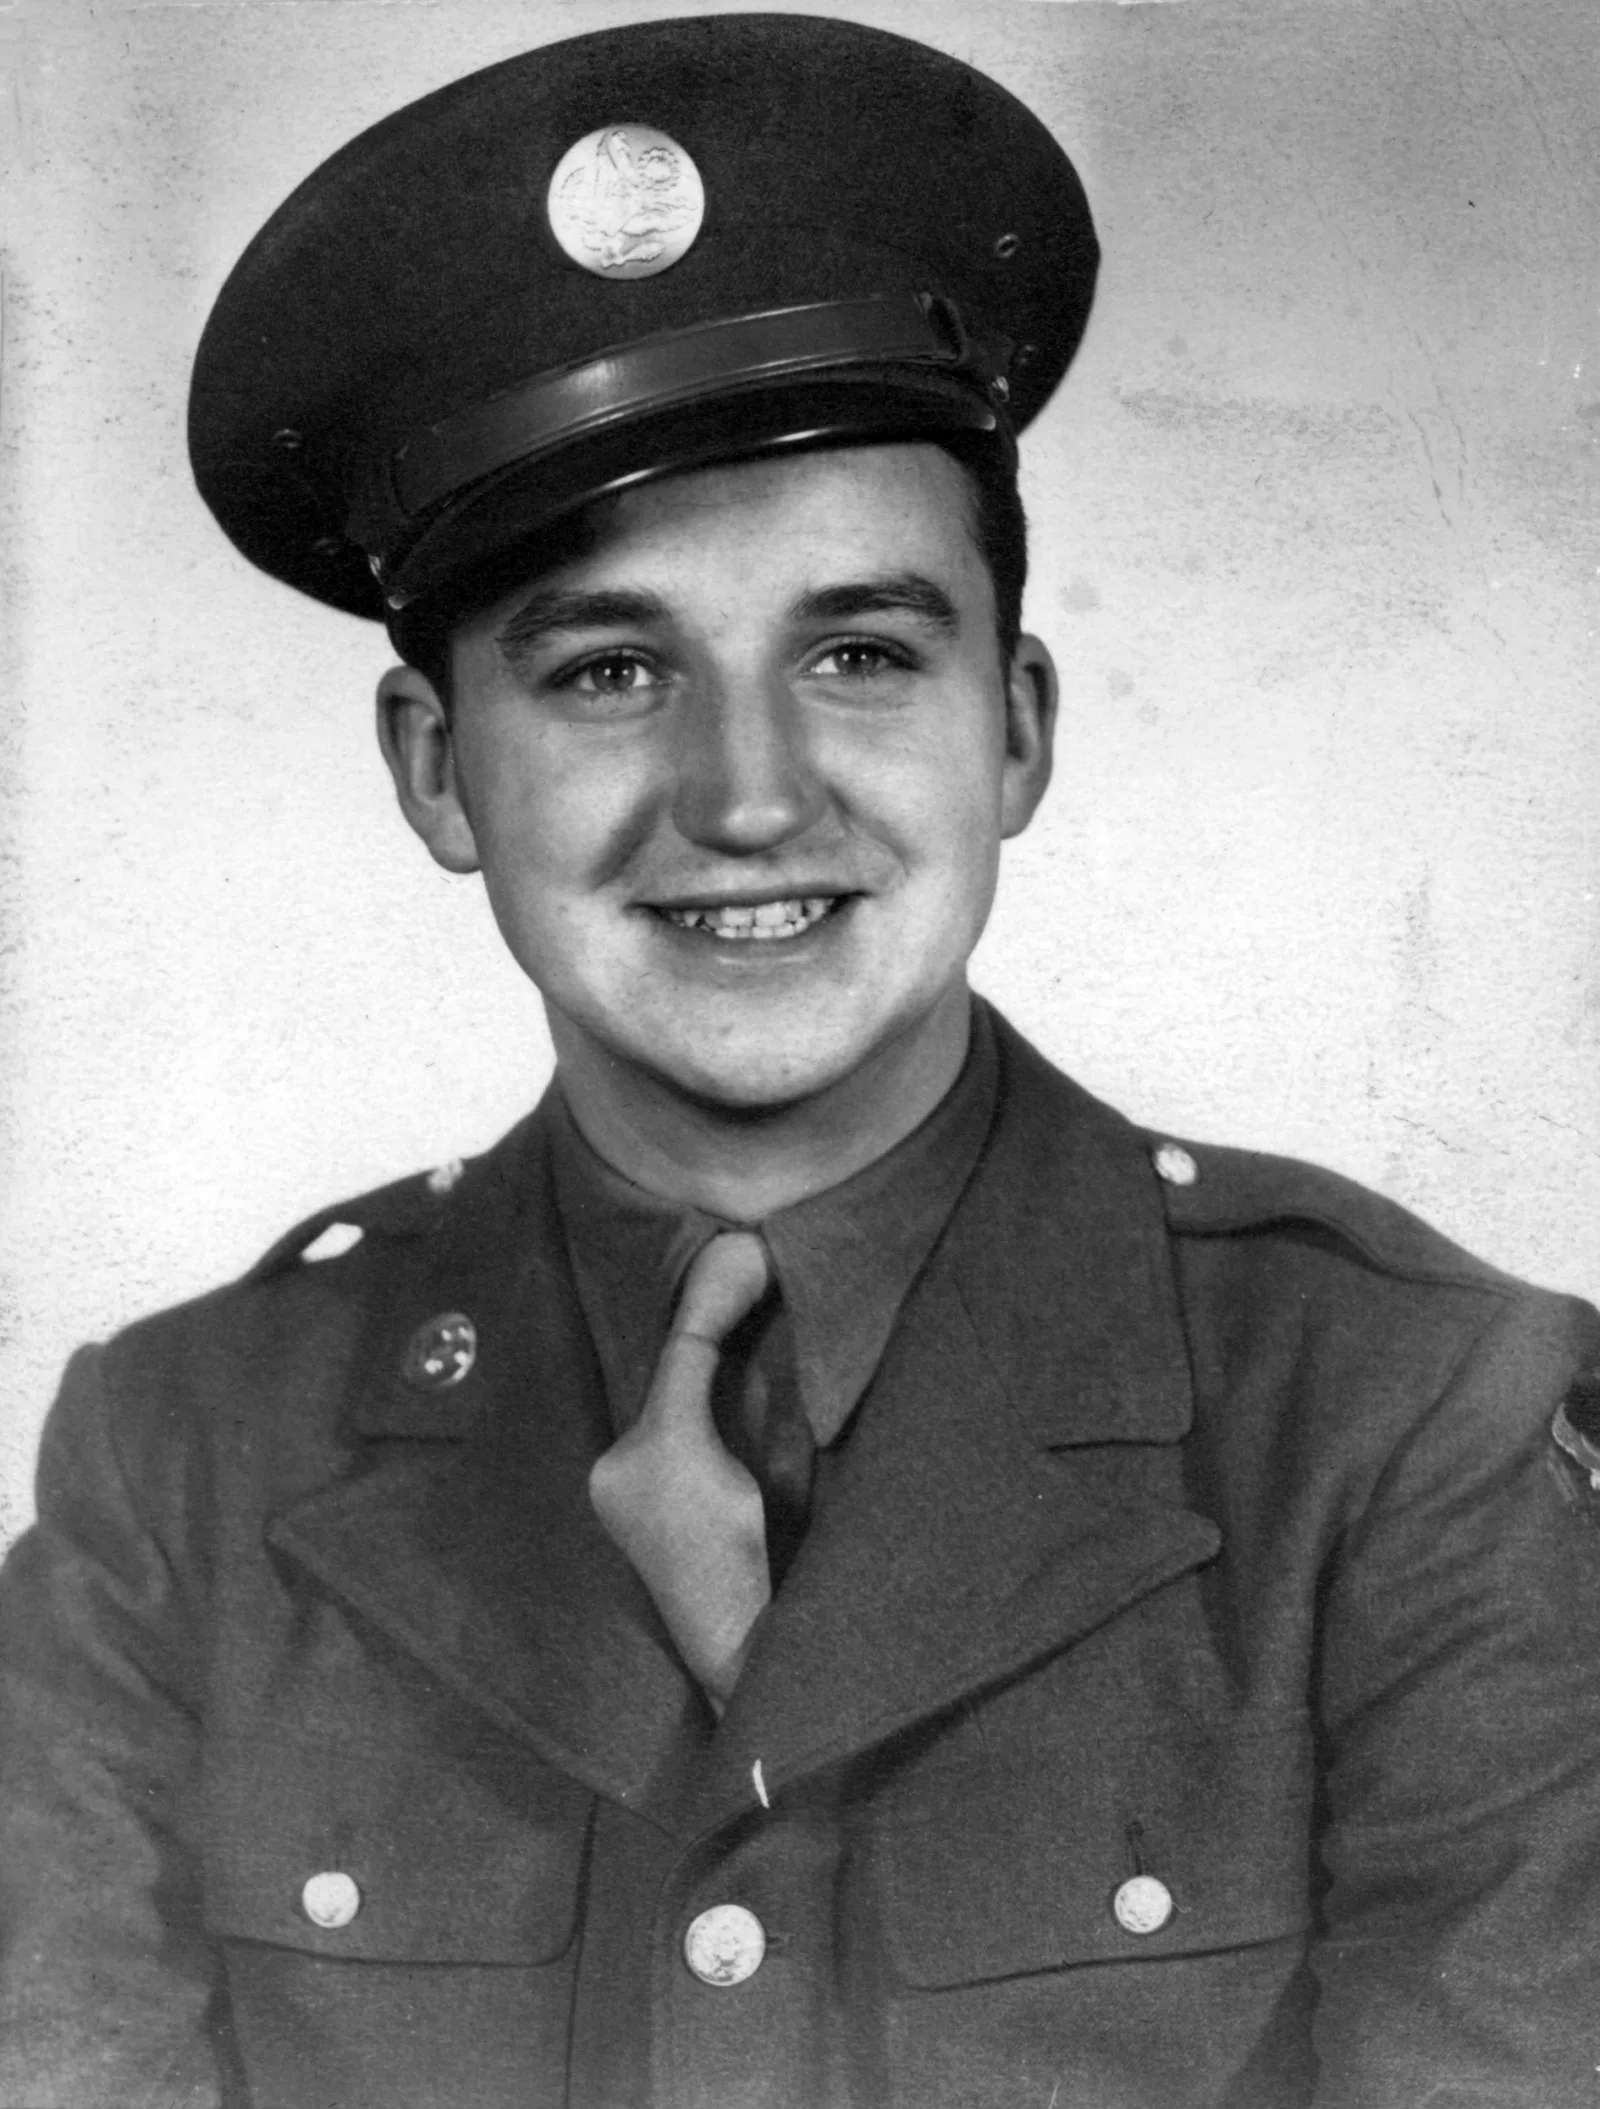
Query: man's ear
[(414, 734), (1031, 691)]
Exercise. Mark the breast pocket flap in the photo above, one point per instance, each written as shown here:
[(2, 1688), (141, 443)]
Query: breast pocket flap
[(345, 1852), (1003, 1865)]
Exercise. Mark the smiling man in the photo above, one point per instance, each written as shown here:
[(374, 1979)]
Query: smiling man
[(737, 780), (828, 1570)]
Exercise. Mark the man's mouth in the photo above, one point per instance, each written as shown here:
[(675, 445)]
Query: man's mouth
[(746, 923)]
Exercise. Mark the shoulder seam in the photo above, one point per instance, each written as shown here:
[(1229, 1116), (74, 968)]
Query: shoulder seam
[(1447, 1265), (1473, 1275)]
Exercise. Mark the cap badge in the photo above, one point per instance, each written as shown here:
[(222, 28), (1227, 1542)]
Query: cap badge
[(626, 201)]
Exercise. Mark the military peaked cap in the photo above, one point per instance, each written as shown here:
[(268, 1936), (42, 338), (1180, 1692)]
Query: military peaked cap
[(628, 253)]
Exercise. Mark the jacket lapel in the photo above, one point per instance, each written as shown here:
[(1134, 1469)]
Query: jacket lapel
[(1012, 1482), (471, 1540)]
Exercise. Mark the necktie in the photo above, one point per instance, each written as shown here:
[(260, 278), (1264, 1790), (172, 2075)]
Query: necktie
[(757, 1409), (684, 1510)]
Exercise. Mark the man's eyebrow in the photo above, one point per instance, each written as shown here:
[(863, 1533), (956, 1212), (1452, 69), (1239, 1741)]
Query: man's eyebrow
[(890, 593), (545, 612)]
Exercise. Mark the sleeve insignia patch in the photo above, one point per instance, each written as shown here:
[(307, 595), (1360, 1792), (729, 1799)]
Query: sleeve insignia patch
[(1576, 1426)]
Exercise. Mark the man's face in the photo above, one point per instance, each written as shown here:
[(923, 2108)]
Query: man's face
[(737, 778)]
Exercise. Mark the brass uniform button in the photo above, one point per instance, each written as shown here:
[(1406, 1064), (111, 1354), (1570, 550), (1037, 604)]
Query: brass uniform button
[(725, 1945), (330, 1900), (1142, 1904)]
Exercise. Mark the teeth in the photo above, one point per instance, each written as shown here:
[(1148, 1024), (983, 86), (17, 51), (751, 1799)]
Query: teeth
[(773, 919)]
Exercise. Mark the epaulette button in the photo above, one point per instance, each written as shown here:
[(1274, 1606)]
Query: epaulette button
[(1174, 1164)]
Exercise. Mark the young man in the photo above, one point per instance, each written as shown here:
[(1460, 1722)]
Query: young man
[(827, 1569)]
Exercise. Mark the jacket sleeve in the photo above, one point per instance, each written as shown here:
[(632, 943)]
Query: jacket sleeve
[(1460, 1711), (105, 1979)]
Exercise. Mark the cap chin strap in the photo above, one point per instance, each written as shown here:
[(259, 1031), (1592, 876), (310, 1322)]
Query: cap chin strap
[(409, 491)]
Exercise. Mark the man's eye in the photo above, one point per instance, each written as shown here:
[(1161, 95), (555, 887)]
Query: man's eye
[(610, 674), (858, 659)]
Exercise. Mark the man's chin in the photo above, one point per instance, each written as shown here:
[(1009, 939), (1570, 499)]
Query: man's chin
[(764, 1073), (757, 1082), (751, 1068), (747, 1062)]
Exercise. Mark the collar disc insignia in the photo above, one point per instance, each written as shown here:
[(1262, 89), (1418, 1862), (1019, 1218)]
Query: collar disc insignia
[(626, 201)]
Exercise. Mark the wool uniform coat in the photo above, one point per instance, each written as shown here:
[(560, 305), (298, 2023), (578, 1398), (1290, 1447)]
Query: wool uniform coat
[(1207, 1532)]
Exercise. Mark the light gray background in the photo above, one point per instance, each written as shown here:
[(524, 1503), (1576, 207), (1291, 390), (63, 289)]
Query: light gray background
[(1315, 522)]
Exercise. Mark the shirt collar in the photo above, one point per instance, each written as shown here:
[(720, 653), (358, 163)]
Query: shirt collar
[(845, 1258)]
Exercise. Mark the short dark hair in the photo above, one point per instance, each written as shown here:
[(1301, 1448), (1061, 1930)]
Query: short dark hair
[(421, 633), (1000, 529)]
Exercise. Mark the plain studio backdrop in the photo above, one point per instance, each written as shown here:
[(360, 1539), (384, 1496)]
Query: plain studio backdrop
[(1315, 527)]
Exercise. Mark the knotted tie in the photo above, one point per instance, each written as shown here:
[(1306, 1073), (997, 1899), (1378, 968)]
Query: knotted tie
[(685, 1511), (757, 1410)]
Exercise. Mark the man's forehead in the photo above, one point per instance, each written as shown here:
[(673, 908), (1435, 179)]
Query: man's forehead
[(810, 523)]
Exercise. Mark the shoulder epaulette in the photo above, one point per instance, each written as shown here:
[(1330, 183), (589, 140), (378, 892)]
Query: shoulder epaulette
[(1212, 1191), (407, 1207)]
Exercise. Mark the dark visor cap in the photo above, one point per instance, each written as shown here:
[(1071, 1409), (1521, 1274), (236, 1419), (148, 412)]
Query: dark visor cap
[(640, 251)]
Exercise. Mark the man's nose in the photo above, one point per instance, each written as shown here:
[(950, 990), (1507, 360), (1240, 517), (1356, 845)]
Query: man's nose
[(746, 777)]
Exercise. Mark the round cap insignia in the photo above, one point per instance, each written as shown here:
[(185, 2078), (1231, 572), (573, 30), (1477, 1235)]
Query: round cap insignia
[(626, 201)]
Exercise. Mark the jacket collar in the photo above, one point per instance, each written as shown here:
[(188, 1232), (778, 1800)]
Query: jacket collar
[(1014, 1480), (467, 1535), (1061, 1261), (1063, 1266), (844, 1258), (980, 1520)]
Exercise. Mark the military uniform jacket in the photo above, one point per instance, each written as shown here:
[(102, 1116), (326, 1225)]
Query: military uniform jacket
[(1204, 1535)]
